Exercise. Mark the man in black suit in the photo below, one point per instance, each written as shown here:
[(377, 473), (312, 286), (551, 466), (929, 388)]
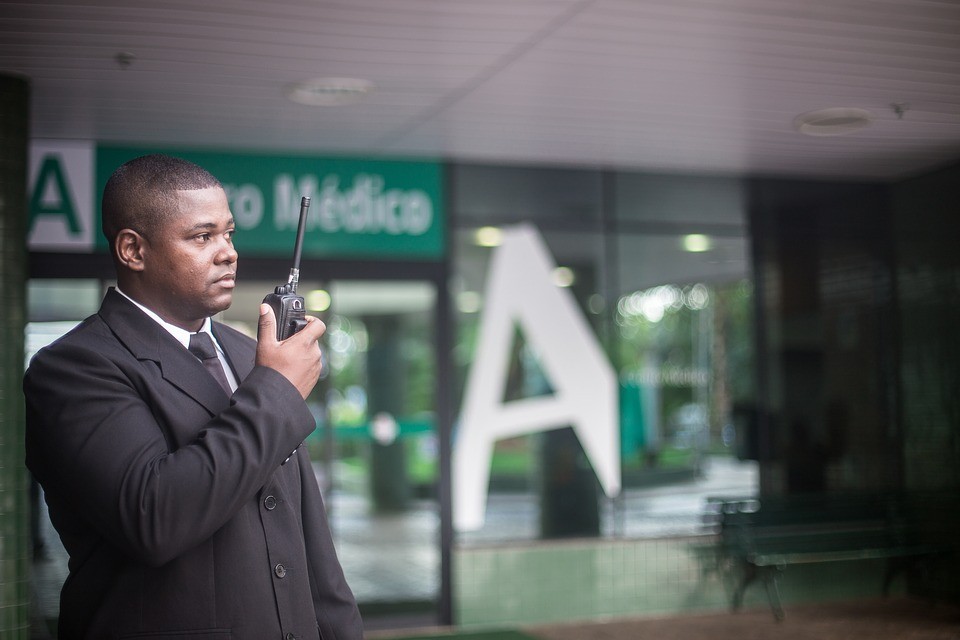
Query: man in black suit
[(182, 508)]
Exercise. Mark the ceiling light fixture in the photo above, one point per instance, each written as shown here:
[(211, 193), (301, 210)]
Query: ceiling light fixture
[(469, 302), (696, 243), (318, 300), (835, 121), (488, 237), (329, 92), (563, 277)]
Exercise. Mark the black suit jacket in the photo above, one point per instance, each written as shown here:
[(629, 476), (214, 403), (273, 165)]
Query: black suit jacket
[(173, 501)]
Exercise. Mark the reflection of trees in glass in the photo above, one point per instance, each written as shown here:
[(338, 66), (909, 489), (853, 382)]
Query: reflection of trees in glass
[(468, 328), (346, 344), (737, 298), (693, 342), (418, 356), (345, 390), (345, 386), (680, 329)]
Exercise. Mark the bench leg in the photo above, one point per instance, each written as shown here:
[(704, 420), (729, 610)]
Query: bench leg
[(896, 566), (749, 572), (771, 580)]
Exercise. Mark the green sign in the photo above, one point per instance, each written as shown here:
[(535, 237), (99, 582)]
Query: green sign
[(359, 208)]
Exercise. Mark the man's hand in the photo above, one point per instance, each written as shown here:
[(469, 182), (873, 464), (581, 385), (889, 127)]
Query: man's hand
[(298, 357)]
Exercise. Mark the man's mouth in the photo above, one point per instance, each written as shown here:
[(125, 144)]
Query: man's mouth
[(228, 279)]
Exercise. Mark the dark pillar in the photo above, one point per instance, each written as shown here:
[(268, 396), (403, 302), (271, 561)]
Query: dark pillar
[(14, 541), (569, 505), (386, 381)]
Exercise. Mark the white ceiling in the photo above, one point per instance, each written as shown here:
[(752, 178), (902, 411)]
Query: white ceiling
[(670, 85)]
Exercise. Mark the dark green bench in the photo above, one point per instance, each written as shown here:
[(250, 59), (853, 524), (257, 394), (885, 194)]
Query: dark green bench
[(760, 537)]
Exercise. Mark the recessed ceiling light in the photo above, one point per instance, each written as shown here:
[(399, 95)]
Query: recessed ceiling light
[(835, 121), (696, 243), (318, 300), (468, 301), (329, 92), (488, 237), (563, 277)]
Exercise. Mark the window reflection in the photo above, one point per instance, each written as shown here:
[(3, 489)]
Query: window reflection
[(669, 295)]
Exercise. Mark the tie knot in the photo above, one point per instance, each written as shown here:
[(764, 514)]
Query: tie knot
[(201, 345)]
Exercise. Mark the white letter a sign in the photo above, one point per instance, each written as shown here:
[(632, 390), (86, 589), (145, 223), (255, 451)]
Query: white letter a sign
[(520, 292)]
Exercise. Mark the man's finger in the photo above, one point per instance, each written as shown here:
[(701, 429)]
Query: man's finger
[(313, 329), (267, 324)]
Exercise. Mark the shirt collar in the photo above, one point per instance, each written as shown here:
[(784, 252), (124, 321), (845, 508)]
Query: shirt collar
[(181, 335)]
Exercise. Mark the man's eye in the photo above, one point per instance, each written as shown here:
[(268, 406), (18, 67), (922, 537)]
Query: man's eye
[(230, 233), (203, 237)]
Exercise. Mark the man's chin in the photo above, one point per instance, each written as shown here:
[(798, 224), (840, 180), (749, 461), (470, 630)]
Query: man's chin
[(221, 303)]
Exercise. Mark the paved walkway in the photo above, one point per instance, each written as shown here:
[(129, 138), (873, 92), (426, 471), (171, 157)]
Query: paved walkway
[(893, 619), (866, 620)]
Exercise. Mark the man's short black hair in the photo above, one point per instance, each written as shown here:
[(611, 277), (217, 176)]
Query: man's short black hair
[(141, 193)]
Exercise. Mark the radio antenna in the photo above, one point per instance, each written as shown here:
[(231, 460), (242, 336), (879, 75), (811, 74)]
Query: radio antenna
[(298, 247)]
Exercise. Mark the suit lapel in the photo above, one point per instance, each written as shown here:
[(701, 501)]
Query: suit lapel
[(237, 347), (148, 341)]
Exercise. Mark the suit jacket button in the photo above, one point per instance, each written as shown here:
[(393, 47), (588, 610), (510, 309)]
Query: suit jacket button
[(290, 636), (270, 503), (280, 570)]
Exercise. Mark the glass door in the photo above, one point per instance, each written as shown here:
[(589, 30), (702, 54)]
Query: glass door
[(375, 449), (378, 443)]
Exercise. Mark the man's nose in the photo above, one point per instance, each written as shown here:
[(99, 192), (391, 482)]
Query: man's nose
[(227, 252)]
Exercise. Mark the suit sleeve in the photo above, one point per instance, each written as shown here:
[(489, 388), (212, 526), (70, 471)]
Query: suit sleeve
[(104, 451)]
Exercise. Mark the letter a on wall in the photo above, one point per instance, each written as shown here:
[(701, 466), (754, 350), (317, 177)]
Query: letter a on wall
[(61, 195), (520, 292)]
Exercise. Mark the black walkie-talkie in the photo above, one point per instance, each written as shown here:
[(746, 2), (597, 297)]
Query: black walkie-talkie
[(288, 307)]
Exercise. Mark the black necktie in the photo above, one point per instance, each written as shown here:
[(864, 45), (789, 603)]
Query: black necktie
[(201, 345)]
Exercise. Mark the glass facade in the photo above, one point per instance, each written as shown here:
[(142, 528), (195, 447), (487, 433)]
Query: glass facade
[(658, 266), (375, 449), (672, 319), (767, 337), (824, 260), (54, 307)]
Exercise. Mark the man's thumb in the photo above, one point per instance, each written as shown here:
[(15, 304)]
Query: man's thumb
[(267, 325)]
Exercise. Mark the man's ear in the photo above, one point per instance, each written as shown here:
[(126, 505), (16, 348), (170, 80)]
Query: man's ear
[(129, 249)]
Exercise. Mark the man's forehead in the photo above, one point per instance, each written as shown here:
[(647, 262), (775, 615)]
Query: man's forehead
[(212, 198), (200, 207), (204, 193)]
